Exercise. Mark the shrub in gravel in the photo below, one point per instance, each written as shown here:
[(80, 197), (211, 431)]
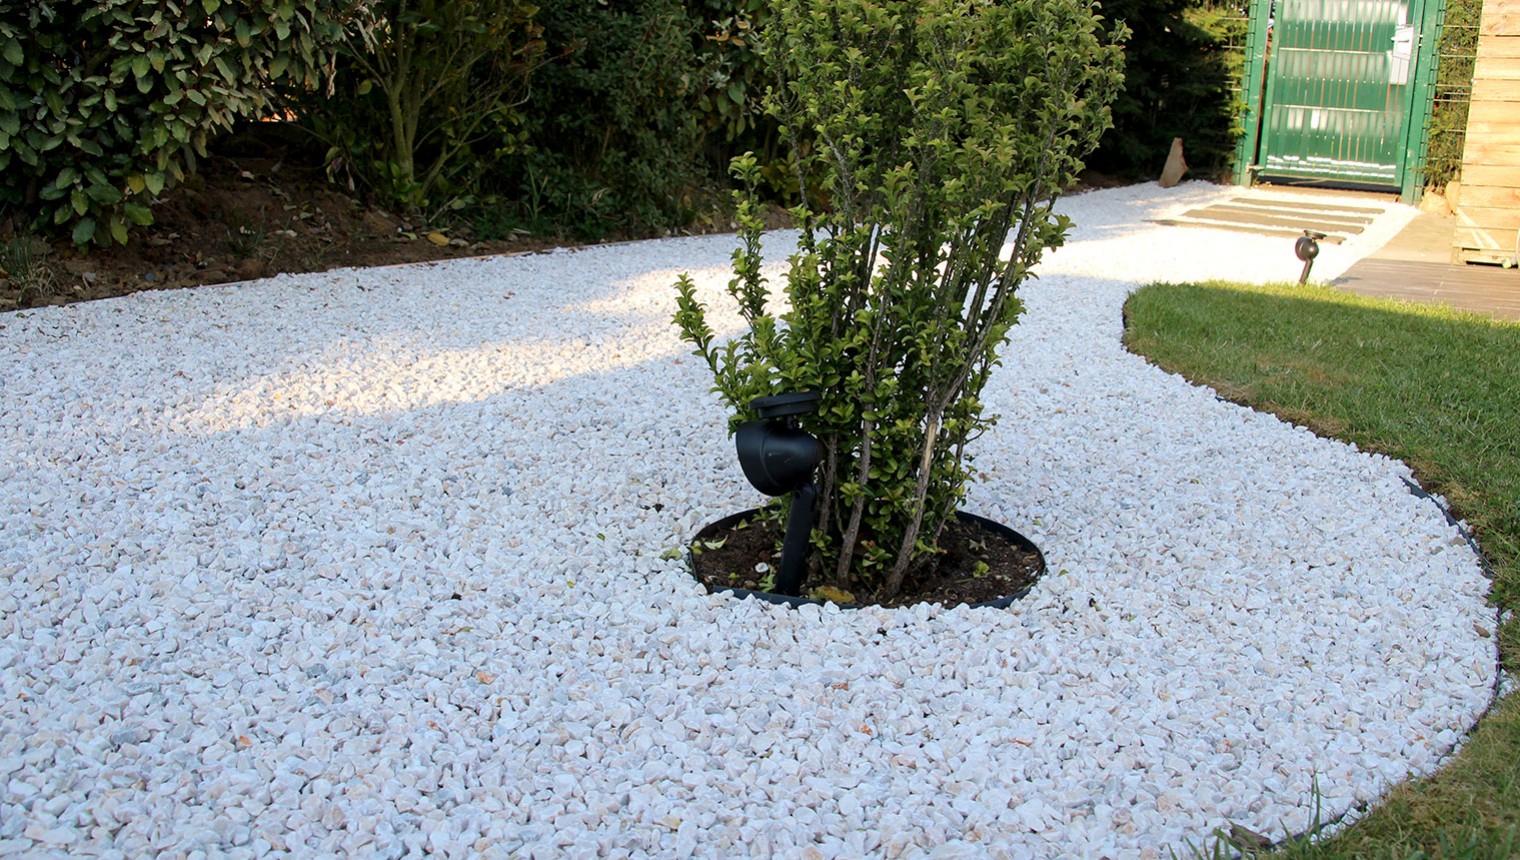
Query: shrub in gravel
[(943, 131)]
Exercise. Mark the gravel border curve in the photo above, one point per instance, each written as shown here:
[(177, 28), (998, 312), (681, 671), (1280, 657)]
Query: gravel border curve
[(370, 562)]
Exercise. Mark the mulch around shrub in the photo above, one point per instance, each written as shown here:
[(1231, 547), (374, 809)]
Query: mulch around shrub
[(730, 557)]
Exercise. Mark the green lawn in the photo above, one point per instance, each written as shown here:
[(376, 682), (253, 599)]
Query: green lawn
[(1440, 390)]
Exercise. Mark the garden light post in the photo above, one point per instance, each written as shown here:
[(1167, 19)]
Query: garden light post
[(779, 457), (1306, 249)]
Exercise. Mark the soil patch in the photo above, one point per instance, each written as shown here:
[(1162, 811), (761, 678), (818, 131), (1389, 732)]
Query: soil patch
[(977, 563), (260, 205)]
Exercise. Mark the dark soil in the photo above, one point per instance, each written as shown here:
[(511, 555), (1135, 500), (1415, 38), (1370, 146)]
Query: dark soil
[(260, 205), (728, 558)]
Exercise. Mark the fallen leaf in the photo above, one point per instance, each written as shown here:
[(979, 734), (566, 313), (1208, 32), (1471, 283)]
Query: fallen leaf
[(438, 238), (1245, 837), (832, 594)]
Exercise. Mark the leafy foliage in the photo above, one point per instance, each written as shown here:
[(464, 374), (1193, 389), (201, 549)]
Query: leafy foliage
[(1457, 49), (611, 135), (938, 126), (429, 96), (1181, 71), (105, 103), (731, 103)]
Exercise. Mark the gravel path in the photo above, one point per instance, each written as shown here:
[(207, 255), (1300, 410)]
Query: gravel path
[(370, 562)]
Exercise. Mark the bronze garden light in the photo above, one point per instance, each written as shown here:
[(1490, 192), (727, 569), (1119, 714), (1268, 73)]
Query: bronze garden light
[(1306, 249)]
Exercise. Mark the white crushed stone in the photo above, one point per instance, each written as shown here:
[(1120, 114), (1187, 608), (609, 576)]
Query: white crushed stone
[(370, 562)]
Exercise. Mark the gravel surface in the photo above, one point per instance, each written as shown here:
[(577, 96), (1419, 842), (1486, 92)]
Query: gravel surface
[(370, 562)]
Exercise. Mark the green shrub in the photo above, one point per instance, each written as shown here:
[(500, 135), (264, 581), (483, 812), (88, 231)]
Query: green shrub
[(612, 139), (1181, 70), (938, 126), (731, 102), (1458, 48), (428, 97), (730, 105), (103, 104)]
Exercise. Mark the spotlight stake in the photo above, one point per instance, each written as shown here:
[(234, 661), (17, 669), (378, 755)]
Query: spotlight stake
[(1306, 249)]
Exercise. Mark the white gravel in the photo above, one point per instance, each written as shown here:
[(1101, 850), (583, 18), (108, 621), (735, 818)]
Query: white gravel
[(370, 562)]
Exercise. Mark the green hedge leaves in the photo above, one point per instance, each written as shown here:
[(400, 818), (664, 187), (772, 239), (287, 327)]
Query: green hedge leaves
[(104, 104)]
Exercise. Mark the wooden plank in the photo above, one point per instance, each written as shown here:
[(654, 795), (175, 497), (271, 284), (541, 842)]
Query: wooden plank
[(1241, 215), (1498, 90), (1305, 205), (1501, 285), (1233, 212), (1490, 149), (1485, 289), (1500, 24), (1494, 258), (1498, 113), (1497, 68), (1243, 228), (1484, 240), (1498, 47), (1494, 175), (1493, 132), (1487, 217), (1481, 196)]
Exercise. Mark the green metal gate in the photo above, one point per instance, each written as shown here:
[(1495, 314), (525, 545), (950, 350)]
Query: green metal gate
[(1347, 90)]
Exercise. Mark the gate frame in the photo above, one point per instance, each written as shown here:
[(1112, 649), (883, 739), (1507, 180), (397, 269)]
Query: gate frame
[(1429, 16)]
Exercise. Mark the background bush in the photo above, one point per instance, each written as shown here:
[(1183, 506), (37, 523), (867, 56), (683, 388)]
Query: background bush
[(1182, 66), (611, 136), (1458, 48), (577, 116), (428, 96), (731, 108), (104, 104)]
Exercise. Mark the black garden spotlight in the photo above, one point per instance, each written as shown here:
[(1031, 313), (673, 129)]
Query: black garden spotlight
[(1306, 249), (778, 457)]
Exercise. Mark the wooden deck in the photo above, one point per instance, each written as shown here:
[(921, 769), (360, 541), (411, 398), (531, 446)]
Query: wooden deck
[(1416, 265), (1485, 289)]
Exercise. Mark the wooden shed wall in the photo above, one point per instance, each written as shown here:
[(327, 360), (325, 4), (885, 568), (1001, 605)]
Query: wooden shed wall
[(1488, 210)]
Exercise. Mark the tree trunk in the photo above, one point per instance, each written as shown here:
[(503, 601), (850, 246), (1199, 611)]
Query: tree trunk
[(920, 492)]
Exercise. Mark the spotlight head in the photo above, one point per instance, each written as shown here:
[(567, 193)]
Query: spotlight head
[(1307, 246), (785, 405), (777, 456)]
